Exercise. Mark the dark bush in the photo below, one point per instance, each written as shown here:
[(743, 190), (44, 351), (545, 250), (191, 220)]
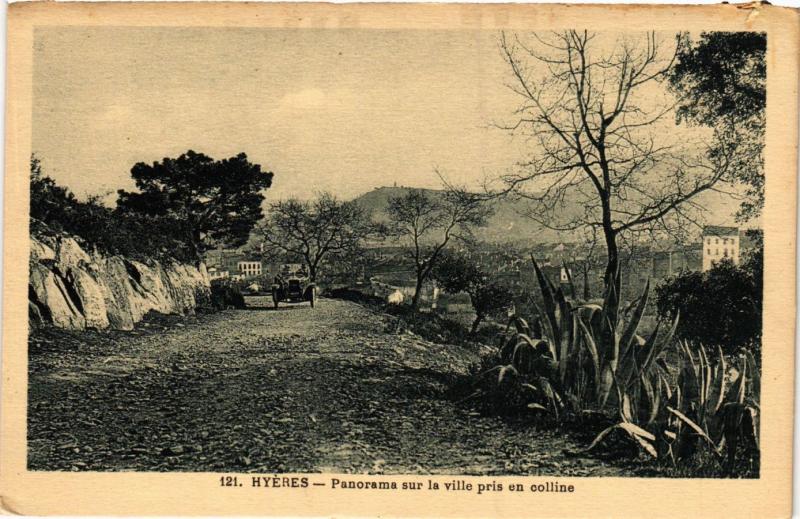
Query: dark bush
[(720, 307), (225, 294)]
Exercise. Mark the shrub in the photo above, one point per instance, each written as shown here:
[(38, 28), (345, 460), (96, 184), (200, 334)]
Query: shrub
[(458, 273), (720, 307), (225, 294)]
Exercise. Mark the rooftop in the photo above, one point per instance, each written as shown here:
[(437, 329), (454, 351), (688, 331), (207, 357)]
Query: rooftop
[(719, 230)]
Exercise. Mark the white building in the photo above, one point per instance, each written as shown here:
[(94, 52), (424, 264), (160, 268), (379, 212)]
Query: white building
[(214, 273), (249, 268), (720, 243)]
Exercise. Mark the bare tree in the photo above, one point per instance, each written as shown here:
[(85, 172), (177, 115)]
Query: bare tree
[(596, 112), (317, 229), (430, 221)]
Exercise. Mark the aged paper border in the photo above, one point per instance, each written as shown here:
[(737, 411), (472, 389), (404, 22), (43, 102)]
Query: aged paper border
[(128, 493)]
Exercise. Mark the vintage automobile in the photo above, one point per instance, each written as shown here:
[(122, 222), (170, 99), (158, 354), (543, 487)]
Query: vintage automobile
[(293, 289)]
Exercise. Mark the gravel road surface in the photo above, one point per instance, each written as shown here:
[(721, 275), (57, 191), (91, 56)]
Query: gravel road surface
[(262, 390)]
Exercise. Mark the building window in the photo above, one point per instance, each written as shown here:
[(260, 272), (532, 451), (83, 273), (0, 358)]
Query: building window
[(724, 241), (709, 252), (716, 241), (725, 252), (716, 253)]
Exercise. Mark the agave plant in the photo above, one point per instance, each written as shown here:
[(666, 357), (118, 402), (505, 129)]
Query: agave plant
[(589, 358), (597, 360), (547, 355), (719, 405), (629, 370), (579, 354)]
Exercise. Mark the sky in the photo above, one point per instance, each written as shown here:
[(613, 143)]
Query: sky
[(335, 110), (338, 110)]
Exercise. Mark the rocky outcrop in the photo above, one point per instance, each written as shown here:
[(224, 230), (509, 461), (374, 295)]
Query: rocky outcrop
[(70, 288)]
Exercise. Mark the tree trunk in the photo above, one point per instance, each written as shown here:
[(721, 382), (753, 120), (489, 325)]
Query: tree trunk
[(417, 293), (475, 324), (613, 260), (612, 266)]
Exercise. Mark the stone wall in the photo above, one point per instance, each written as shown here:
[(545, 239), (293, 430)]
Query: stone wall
[(70, 288)]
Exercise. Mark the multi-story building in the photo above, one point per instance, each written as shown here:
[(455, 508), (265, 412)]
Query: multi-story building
[(719, 243), (249, 268), (234, 264)]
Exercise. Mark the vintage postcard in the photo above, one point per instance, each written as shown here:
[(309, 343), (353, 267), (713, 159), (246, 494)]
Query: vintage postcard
[(399, 260)]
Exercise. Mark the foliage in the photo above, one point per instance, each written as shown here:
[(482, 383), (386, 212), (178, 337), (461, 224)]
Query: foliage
[(577, 360), (219, 200), (721, 82), (430, 222), (716, 407), (720, 307), (55, 208), (457, 272), (225, 294), (316, 231)]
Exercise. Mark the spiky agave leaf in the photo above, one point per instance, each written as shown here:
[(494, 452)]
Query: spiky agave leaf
[(591, 347), (633, 324), (718, 389), (548, 298), (704, 373), (653, 393), (605, 384), (520, 324), (661, 345), (610, 313), (696, 428), (567, 334), (632, 363), (755, 377), (689, 377), (641, 436), (552, 396), (526, 351), (506, 371), (507, 351), (740, 386), (534, 405)]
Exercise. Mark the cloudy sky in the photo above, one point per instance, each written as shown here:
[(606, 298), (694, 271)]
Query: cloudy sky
[(339, 110)]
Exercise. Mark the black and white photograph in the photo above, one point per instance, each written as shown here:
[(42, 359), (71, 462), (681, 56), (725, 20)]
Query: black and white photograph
[(371, 252)]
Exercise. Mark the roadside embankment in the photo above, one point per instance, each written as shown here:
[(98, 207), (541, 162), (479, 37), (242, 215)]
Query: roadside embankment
[(73, 289)]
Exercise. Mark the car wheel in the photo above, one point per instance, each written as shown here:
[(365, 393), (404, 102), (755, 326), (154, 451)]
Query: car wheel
[(275, 299)]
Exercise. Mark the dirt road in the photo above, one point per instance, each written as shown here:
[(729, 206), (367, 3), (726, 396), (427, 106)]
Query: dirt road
[(289, 390)]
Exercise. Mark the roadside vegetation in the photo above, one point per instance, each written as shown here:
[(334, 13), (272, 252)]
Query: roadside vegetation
[(183, 207), (671, 400)]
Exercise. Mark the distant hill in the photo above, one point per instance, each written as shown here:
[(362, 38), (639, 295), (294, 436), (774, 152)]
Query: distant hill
[(506, 225)]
